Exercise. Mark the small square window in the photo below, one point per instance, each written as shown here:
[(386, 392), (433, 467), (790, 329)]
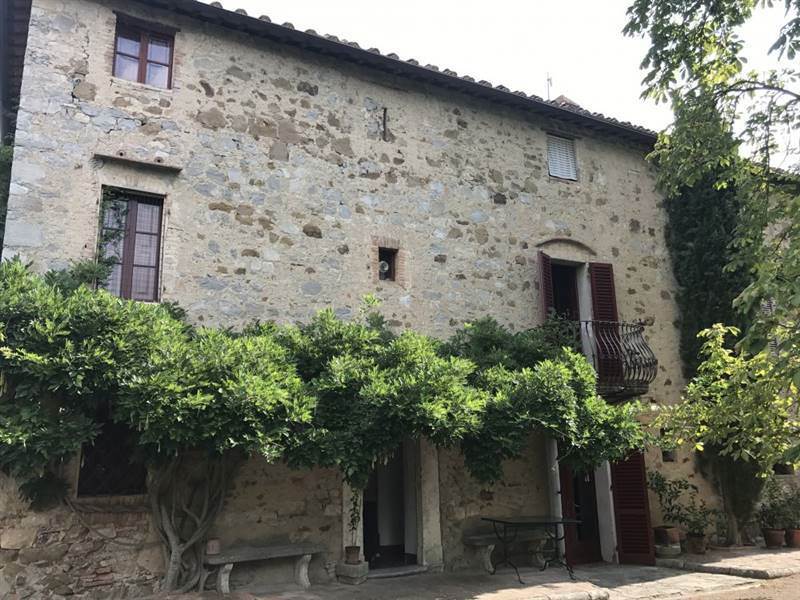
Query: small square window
[(561, 161), (143, 55), (387, 264)]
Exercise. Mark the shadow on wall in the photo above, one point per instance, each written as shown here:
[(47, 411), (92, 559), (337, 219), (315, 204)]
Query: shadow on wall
[(6, 154)]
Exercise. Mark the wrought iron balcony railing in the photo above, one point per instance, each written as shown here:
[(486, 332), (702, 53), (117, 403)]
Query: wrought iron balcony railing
[(624, 361)]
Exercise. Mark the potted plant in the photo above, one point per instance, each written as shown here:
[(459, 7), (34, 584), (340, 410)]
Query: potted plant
[(772, 515), (793, 518), (669, 492), (697, 517), (352, 553)]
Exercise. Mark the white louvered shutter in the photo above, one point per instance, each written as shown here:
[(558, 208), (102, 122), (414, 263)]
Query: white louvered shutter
[(561, 157)]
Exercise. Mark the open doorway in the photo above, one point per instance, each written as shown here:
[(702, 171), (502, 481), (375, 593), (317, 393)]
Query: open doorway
[(390, 511), (579, 501), (565, 291)]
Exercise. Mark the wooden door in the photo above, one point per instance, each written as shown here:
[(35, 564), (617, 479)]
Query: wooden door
[(579, 501), (632, 511)]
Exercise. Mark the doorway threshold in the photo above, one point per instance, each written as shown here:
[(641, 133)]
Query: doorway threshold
[(401, 571)]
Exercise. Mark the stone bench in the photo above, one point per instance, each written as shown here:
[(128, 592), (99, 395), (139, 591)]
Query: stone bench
[(230, 556), (484, 543)]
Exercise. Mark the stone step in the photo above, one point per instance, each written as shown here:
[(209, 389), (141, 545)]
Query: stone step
[(403, 571)]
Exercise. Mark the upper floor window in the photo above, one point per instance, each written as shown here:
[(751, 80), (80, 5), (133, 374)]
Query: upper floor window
[(143, 55), (561, 157), (131, 240)]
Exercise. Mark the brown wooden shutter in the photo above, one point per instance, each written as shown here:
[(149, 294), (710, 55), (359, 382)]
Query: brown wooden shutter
[(546, 284), (632, 511), (604, 297), (608, 349)]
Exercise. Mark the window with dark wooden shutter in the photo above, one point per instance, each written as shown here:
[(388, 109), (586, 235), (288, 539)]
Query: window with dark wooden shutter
[(546, 283), (131, 240), (635, 543)]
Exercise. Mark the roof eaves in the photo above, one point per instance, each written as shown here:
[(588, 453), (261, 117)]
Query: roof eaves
[(332, 46)]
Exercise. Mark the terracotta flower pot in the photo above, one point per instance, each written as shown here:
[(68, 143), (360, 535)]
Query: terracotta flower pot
[(212, 546), (667, 536), (793, 538), (774, 538), (352, 555), (696, 544)]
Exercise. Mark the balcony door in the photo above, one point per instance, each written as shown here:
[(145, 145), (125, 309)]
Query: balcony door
[(565, 291)]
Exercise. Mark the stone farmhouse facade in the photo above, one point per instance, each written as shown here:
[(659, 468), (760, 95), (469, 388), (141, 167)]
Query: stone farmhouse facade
[(273, 173)]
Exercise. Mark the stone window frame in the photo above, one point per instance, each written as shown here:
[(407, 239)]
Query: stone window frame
[(401, 270), (70, 471)]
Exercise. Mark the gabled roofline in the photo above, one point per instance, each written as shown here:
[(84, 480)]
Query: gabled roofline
[(351, 52)]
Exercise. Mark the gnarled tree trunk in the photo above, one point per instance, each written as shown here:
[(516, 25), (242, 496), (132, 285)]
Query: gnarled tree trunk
[(186, 496), (739, 485)]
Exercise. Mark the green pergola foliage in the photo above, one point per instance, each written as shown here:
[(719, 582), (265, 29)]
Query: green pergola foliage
[(329, 393), (63, 354)]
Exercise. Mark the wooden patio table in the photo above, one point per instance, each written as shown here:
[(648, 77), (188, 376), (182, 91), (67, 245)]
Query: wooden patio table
[(507, 528)]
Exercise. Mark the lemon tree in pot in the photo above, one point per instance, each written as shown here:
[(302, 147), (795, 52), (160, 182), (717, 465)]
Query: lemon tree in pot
[(669, 492), (793, 518), (772, 514), (352, 553), (697, 516)]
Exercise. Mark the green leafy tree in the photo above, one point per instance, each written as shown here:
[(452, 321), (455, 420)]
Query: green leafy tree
[(200, 404), (62, 355), (326, 393), (702, 222), (534, 381), (732, 124), (375, 389), (196, 401), (737, 407), (732, 129), (735, 402)]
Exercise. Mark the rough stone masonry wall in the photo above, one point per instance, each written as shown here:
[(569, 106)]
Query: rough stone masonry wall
[(287, 184), (273, 504), (522, 491), (57, 553)]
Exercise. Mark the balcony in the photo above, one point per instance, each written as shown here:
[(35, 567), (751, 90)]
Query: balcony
[(624, 361)]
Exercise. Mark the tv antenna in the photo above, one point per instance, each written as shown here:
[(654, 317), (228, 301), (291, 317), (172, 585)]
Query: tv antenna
[(549, 84)]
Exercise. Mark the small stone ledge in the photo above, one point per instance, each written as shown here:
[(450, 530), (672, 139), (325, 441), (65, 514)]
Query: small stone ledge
[(138, 163), (737, 571), (591, 595), (137, 503)]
